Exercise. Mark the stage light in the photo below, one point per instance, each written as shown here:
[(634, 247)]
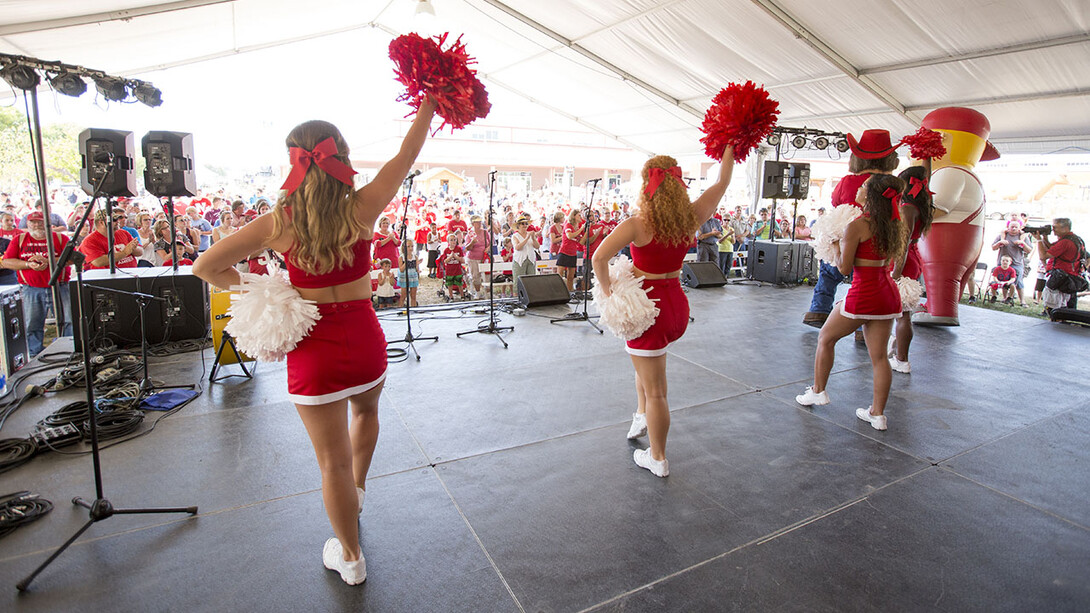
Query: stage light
[(20, 76), (821, 143), (111, 88), (773, 139), (147, 93), (424, 7), (798, 142), (68, 83), (842, 146)]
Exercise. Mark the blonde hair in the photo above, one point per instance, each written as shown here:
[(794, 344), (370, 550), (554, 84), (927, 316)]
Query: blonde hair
[(572, 215), (668, 212), (320, 212)]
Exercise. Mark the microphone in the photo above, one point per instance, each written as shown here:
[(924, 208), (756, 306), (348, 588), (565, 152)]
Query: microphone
[(412, 174), (103, 157), (595, 181)]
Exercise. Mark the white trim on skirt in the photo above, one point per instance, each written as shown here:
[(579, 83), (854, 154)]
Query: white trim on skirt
[(335, 396), (845, 313), (647, 353)]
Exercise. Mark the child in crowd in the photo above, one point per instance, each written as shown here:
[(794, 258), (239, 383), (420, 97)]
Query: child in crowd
[(179, 254), (1003, 276), (508, 251), (433, 249), (453, 258), (386, 297), (1042, 278), (407, 276)]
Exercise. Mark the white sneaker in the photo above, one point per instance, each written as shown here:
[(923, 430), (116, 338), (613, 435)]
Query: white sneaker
[(878, 422), (639, 426), (810, 397), (361, 494), (353, 573), (900, 366), (643, 459)]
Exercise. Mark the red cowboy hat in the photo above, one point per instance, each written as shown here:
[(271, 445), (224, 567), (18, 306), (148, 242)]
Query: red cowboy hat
[(872, 145)]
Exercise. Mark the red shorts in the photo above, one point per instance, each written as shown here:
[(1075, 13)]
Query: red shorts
[(344, 355), (672, 320), (873, 295)]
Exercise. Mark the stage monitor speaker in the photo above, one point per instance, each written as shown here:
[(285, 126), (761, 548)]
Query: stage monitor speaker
[(169, 164), (119, 145), (771, 262), (14, 352), (182, 314), (542, 290), (702, 274), (776, 182), (806, 262)]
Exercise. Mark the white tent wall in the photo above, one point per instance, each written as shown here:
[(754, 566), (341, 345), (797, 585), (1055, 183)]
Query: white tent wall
[(644, 71)]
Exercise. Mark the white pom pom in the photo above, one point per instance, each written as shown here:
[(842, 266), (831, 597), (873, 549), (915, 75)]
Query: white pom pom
[(911, 291), (268, 317), (627, 311), (830, 227)]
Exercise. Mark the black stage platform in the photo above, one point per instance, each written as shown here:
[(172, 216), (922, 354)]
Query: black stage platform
[(503, 480)]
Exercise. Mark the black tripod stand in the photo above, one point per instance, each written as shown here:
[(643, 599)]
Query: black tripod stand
[(409, 338), (100, 508), (582, 315), (490, 327)]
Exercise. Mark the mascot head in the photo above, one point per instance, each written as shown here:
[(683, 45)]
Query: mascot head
[(964, 134)]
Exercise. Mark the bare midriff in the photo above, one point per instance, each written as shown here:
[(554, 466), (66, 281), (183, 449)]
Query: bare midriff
[(360, 289), (866, 263), (648, 275)]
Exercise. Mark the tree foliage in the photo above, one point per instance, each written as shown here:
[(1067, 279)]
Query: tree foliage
[(59, 141)]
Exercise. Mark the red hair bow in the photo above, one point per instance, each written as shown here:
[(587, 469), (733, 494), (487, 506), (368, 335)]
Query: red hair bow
[(895, 201), (917, 186), (656, 175), (322, 155)]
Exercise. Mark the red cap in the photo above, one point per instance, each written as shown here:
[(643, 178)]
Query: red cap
[(35, 216), (963, 119), (873, 144)]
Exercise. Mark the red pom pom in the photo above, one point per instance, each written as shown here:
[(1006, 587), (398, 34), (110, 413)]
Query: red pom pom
[(740, 115), (925, 144), (426, 69)]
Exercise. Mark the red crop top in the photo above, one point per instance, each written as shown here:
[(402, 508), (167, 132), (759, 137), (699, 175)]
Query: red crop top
[(867, 251), (361, 266), (657, 258)]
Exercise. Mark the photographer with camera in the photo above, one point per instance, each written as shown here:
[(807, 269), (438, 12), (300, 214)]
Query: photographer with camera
[(1064, 259)]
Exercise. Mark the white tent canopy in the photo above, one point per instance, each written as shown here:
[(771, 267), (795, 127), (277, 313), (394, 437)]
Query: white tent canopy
[(644, 71)]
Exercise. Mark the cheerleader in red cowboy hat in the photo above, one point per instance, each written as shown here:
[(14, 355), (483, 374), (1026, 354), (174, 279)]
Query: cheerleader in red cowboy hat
[(659, 236), (870, 243), (323, 226)]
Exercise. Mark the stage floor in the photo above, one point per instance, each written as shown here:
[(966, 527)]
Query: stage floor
[(503, 480)]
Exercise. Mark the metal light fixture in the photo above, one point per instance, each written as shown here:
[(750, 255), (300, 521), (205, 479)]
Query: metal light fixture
[(821, 143), (20, 76), (424, 7), (111, 88), (68, 83), (798, 142), (773, 139), (842, 146), (147, 93)]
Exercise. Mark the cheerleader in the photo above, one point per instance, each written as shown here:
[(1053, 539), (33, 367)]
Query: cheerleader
[(869, 244), (916, 214), (324, 227), (659, 236)]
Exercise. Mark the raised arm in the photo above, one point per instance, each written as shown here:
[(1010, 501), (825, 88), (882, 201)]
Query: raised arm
[(217, 265), (706, 204), (374, 196)]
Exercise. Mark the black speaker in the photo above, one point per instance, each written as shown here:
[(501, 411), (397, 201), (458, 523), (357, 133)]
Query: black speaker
[(169, 169), (776, 183), (807, 263), (542, 290), (14, 353), (181, 314), (772, 262), (799, 179), (119, 147), (1071, 316), (702, 274)]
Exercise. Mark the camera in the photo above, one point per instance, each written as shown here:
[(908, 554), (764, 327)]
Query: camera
[(1044, 230)]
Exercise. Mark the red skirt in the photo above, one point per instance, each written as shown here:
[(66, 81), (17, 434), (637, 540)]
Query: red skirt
[(912, 268), (873, 294), (672, 320), (344, 355)]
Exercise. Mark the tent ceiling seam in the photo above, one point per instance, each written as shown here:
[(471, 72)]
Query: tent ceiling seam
[(982, 53), (122, 15), (822, 48)]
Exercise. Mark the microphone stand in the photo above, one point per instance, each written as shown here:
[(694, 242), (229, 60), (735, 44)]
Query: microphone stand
[(100, 508), (490, 327), (409, 338), (582, 315)]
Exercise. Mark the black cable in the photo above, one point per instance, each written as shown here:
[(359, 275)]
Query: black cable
[(115, 424), (15, 452), (20, 508)]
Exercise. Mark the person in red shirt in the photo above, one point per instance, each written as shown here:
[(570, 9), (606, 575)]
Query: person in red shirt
[(96, 246), (1065, 254), (598, 231), (453, 257), (1003, 276), (27, 254), (386, 244), (569, 247), (457, 223), (8, 231), (179, 254)]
